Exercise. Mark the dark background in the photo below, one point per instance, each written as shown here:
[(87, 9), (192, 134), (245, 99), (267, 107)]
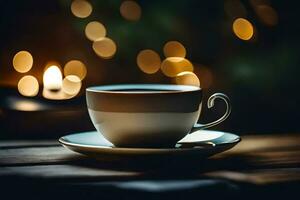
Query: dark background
[(260, 76)]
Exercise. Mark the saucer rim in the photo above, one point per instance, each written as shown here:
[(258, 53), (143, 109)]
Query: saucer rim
[(64, 142)]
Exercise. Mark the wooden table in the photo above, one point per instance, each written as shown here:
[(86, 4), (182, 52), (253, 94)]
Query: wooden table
[(267, 165)]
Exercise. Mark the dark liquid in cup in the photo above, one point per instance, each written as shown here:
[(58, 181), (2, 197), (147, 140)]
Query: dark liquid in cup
[(142, 90)]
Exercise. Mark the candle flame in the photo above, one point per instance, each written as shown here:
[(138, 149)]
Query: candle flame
[(52, 78)]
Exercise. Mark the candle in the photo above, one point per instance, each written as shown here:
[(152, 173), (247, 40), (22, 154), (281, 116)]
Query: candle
[(52, 78), (56, 88)]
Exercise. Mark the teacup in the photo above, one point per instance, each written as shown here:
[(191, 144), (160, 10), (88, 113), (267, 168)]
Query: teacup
[(148, 115)]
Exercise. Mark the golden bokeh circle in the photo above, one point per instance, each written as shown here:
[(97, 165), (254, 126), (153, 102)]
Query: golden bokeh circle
[(71, 85), (105, 48), (187, 78), (75, 67), (148, 61), (174, 49), (243, 29), (28, 86), (130, 10), (172, 66), (95, 31), (81, 8), (22, 61)]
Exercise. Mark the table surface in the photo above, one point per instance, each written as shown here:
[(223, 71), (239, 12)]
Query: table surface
[(260, 164)]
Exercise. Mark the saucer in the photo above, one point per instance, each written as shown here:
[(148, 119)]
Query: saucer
[(199, 144)]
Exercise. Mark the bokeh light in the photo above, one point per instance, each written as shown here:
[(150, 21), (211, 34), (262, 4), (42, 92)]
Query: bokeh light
[(105, 48), (28, 86), (130, 10), (22, 61), (71, 85), (172, 66), (52, 78), (243, 29), (95, 31), (81, 8), (75, 67), (148, 61), (187, 78), (174, 49), (267, 15)]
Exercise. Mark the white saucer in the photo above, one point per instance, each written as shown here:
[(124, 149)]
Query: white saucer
[(200, 144)]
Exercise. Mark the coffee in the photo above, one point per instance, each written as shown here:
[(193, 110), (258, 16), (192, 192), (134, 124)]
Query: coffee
[(141, 90)]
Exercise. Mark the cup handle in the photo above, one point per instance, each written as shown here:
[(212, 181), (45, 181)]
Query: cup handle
[(210, 104)]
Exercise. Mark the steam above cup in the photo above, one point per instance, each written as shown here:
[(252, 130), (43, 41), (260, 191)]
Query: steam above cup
[(147, 115)]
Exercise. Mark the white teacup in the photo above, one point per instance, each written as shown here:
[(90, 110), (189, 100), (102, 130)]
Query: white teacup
[(148, 115)]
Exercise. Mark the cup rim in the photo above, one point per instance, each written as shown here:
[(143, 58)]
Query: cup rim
[(157, 88)]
